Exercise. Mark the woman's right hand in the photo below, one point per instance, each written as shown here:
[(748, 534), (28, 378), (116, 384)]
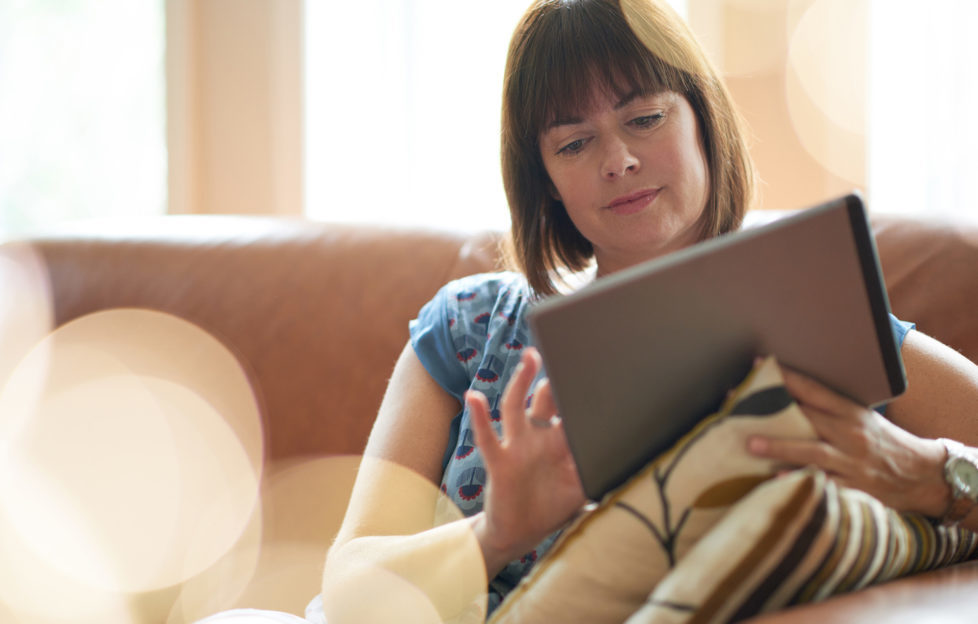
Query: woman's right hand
[(533, 487)]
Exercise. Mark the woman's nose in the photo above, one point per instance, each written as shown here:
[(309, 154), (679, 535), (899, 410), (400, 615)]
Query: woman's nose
[(619, 160)]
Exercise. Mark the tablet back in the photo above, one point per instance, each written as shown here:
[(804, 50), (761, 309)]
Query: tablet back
[(637, 358)]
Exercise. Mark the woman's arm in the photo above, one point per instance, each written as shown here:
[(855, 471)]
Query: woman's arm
[(897, 459), (941, 400), (390, 524)]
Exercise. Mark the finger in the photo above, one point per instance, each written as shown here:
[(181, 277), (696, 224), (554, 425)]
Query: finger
[(829, 427), (808, 391), (543, 407), (485, 435), (799, 453), (513, 403)]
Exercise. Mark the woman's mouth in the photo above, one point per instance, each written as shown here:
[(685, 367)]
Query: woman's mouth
[(632, 202)]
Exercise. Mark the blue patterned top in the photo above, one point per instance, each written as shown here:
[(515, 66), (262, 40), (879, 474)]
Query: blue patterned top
[(471, 335)]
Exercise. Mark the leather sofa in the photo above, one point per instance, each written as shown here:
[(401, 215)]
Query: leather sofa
[(316, 314)]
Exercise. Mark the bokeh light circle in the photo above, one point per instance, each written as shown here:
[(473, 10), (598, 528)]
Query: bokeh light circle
[(135, 462), (278, 567), (825, 85), (438, 575)]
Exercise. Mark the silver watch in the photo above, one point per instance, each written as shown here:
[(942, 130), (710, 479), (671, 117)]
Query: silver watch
[(961, 474)]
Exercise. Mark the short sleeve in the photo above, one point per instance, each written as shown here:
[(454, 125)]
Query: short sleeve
[(464, 334), (431, 338), (900, 329)]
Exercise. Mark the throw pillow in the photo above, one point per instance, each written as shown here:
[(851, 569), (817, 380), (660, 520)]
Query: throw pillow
[(606, 563), (796, 539)]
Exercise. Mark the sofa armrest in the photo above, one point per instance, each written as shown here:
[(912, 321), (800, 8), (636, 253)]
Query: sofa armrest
[(946, 595), (931, 272)]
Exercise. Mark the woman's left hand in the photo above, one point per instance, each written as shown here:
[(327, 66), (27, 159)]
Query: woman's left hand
[(861, 449)]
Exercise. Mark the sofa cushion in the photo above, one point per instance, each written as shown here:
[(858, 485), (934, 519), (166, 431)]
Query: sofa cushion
[(798, 539)]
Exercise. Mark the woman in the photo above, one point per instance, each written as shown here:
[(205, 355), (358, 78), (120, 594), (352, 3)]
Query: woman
[(619, 145)]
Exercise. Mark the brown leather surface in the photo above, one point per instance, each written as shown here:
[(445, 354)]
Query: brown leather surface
[(931, 273), (946, 596), (316, 313)]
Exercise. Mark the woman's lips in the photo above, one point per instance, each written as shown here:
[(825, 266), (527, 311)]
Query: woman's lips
[(632, 202)]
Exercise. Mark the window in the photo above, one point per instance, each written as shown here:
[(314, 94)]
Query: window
[(82, 111), (402, 110), (923, 94)]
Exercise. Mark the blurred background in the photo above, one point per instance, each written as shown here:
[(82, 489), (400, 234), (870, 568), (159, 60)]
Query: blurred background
[(388, 110)]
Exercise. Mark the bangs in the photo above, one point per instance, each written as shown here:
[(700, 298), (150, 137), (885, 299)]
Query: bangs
[(615, 62)]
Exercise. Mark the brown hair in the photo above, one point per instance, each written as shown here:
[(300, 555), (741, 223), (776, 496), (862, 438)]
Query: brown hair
[(560, 51)]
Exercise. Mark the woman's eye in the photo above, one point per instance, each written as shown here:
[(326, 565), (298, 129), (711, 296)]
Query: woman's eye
[(573, 147), (647, 121)]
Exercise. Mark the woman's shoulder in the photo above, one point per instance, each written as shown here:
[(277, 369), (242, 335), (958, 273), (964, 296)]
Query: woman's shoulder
[(472, 300), (487, 287)]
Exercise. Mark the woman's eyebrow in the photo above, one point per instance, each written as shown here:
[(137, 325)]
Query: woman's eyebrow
[(622, 103), (567, 121)]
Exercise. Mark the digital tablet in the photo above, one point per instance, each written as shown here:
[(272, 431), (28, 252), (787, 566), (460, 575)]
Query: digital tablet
[(637, 358)]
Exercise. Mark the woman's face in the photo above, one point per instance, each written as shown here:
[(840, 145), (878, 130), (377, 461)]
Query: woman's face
[(632, 175)]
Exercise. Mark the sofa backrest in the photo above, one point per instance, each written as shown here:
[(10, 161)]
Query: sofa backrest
[(317, 312)]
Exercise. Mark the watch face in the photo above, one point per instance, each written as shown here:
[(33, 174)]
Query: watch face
[(964, 475)]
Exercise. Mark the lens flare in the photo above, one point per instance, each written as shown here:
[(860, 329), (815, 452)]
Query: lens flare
[(222, 585), (34, 591), (747, 36), (418, 553), (826, 85), (281, 567), (130, 453), (357, 598)]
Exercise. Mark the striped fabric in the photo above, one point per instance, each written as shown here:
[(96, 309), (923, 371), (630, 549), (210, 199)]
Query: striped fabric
[(800, 538)]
